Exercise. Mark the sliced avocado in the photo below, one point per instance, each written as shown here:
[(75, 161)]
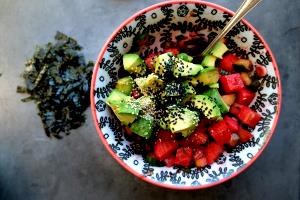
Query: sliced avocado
[(173, 89), (126, 119), (209, 61), (181, 119), (125, 85), (185, 57), (214, 85), (187, 132), (183, 68), (134, 64), (125, 108), (214, 93), (189, 92), (116, 97), (206, 105), (164, 123), (219, 49), (188, 89), (206, 77), (143, 126), (150, 85), (164, 64)]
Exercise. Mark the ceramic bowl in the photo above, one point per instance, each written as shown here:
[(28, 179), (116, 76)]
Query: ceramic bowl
[(164, 21)]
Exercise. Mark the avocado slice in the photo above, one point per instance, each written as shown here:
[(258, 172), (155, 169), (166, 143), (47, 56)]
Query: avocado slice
[(173, 89), (214, 93), (143, 126), (125, 85), (124, 107), (219, 49), (214, 85), (207, 106), (150, 85), (134, 64), (206, 77), (180, 120), (209, 61), (164, 64), (183, 68), (185, 57)]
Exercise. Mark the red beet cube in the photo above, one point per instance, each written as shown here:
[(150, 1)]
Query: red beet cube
[(227, 62), (244, 135), (165, 135), (184, 156), (212, 152), (231, 83), (248, 116), (220, 132), (170, 161), (163, 149), (245, 96), (232, 124)]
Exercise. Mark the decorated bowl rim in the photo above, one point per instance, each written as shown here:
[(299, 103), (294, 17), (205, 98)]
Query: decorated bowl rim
[(93, 108)]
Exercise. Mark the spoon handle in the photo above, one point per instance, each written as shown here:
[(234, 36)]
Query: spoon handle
[(240, 13)]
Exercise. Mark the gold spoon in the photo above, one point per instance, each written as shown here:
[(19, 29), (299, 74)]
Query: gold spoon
[(240, 13)]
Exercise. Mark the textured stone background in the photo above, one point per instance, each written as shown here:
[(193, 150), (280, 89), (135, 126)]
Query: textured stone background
[(33, 166)]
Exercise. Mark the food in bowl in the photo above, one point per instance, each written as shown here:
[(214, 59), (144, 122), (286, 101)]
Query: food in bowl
[(184, 113), (166, 23)]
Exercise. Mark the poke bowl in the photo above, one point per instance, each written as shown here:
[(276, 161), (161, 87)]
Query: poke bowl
[(248, 81)]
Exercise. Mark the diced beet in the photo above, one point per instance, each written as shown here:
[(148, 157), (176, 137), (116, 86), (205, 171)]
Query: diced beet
[(197, 138), (170, 161), (212, 152), (232, 124), (248, 116), (184, 156), (150, 61), (163, 149), (235, 108), (234, 139), (227, 62), (245, 96), (199, 158), (244, 135), (231, 83), (220, 132), (261, 71), (165, 135), (174, 51)]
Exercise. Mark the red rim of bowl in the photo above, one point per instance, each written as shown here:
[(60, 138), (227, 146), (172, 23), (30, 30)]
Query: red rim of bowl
[(93, 109)]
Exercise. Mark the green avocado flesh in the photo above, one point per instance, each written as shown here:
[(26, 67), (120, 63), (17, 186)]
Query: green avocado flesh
[(214, 93), (143, 126), (219, 49), (207, 76), (134, 64), (125, 85), (180, 120), (125, 108), (167, 63), (206, 106), (209, 61)]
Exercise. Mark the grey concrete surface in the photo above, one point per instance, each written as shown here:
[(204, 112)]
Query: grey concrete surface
[(33, 166)]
